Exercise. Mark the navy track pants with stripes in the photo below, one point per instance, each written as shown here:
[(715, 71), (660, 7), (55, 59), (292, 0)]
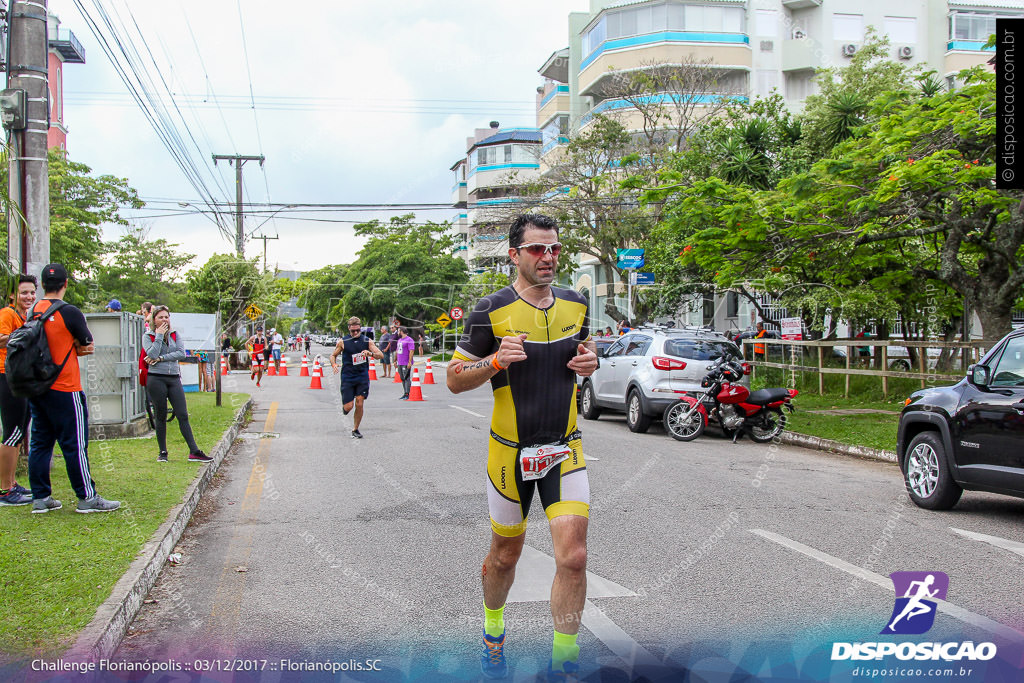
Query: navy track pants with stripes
[(60, 417)]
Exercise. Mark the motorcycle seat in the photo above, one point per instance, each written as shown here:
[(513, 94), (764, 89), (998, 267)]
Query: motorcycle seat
[(763, 397)]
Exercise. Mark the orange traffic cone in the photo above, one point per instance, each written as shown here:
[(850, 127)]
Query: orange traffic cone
[(284, 366), (223, 365), (304, 371), (415, 393), (373, 370), (398, 379), (428, 374), (271, 367), (314, 382)]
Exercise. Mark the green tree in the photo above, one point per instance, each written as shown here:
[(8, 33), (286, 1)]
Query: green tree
[(229, 284), (134, 269), (318, 291)]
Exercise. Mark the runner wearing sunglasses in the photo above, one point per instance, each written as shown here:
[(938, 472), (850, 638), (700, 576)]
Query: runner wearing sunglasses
[(531, 340)]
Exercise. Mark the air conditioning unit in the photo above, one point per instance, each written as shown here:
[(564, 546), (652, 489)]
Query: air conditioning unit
[(767, 45), (849, 50), (799, 34), (906, 52)]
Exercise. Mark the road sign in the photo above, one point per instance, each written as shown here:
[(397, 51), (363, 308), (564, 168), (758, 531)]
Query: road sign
[(645, 278), (630, 258), (253, 312), (456, 313), (444, 320)]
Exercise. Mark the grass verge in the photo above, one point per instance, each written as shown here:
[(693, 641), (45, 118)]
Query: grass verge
[(59, 567), (875, 430)]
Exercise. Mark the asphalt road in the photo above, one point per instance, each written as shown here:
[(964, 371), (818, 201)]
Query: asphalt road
[(706, 554)]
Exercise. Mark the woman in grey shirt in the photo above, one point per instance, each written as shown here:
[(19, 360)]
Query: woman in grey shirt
[(164, 348)]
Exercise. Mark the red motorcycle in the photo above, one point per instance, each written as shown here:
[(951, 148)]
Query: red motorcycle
[(733, 407)]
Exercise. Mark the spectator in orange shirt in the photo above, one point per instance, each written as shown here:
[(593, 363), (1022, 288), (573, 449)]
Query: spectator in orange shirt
[(13, 409), (60, 413)]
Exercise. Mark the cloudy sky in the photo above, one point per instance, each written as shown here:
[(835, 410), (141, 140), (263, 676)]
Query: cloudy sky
[(355, 103)]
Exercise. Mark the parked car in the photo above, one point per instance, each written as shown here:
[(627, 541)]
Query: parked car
[(642, 372), (969, 435)]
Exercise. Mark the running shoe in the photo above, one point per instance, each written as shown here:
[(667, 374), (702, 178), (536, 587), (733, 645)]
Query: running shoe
[(162, 457), (21, 489), (569, 673), (47, 504), (492, 661), (13, 498), (356, 434), (96, 504), (199, 456)]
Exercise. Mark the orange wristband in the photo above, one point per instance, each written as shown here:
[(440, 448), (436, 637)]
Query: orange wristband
[(495, 364)]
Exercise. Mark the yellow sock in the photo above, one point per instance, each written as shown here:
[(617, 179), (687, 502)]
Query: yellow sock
[(564, 650), (494, 621)]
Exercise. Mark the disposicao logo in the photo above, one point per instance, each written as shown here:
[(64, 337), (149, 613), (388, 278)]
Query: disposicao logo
[(916, 592)]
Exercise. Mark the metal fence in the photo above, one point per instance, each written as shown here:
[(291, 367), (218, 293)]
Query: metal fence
[(110, 376)]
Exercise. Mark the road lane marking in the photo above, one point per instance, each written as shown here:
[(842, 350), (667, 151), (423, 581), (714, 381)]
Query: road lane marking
[(1005, 544), (535, 572), (465, 410), (884, 582)]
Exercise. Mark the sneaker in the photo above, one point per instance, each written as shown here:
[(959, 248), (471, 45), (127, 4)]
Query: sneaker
[(21, 489), (47, 504), (13, 498), (162, 457), (199, 456), (492, 661), (356, 434), (567, 674), (97, 504), (404, 398)]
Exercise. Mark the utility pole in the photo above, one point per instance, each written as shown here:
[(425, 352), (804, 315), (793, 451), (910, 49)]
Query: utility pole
[(265, 238), (238, 160), (28, 235)]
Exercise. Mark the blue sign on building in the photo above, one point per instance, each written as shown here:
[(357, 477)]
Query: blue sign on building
[(645, 278), (630, 258)]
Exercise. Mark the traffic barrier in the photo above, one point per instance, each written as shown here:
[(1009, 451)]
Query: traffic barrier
[(314, 382), (415, 393), (284, 366), (373, 370), (223, 364), (304, 370), (428, 374)]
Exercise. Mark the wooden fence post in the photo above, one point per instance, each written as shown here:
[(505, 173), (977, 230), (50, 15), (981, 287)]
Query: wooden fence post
[(821, 375)]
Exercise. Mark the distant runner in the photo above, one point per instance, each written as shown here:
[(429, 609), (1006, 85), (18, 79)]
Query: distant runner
[(355, 350), (257, 344)]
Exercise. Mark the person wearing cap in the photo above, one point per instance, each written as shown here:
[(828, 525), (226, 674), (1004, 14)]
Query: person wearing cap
[(114, 306), (60, 413), (276, 340)]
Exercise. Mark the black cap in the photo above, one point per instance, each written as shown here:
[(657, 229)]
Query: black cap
[(54, 272)]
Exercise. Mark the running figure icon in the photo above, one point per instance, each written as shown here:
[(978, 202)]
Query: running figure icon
[(916, 596)]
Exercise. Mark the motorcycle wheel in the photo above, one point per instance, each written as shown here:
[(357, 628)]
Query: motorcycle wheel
[(773, 423), (680, 430)]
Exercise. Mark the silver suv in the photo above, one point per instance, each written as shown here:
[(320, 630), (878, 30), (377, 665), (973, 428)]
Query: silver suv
[(644, 371)]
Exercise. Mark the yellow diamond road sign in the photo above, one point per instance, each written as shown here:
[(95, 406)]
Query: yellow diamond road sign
[(444, 320), (253, 312)]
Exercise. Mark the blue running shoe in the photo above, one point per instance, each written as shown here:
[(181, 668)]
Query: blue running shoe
[(492, 661), (569, 673)]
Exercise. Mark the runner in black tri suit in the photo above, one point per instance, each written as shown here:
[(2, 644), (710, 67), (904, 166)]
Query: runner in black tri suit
[(355, 351), (531, 340)]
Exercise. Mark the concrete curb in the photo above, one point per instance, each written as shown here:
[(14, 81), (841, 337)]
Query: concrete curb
[(819, 444), (101, 637)]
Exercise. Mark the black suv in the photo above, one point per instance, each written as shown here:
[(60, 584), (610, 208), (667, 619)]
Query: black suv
[(969, 435)]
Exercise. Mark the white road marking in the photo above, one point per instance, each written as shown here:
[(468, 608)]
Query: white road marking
[(466, 411), (590, 458), (534, 574), (884, 582), (1005, 544)]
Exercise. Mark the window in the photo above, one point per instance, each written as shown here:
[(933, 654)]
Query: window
[(766, 23), (508, 154), (594, 37), (636, 345), (486, 156), (615, 349), (767, 79), (700, 349), (848, 27), (800, 85), (732, 304), (972, 26), (1009, 371), (901, 29)]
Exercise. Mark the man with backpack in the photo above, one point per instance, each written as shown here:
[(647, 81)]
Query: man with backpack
[(59, 413)]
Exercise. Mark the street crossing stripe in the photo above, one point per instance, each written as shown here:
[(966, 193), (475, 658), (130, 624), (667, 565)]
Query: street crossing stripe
[(467, 411), (884, 582), (616, 640), (1005, 544)]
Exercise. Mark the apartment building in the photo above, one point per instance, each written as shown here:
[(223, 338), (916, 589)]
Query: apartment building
[(754, 47), (488, 180), (64, 48)]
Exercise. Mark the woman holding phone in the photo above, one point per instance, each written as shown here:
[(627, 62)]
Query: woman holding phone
[(164, 348)]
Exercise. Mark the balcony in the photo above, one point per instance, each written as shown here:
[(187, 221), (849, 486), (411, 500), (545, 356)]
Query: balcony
[(551, 102), (67, 46), (799, 55), (459, 195), (801, 4), (631, 119)]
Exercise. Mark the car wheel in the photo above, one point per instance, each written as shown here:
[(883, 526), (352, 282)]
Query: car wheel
[(635, 418), (681, 426), (588, 403), (900, 365), (926, 473)]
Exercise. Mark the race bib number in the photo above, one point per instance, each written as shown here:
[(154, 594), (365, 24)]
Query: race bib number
[(537, 461), (358, 358)]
